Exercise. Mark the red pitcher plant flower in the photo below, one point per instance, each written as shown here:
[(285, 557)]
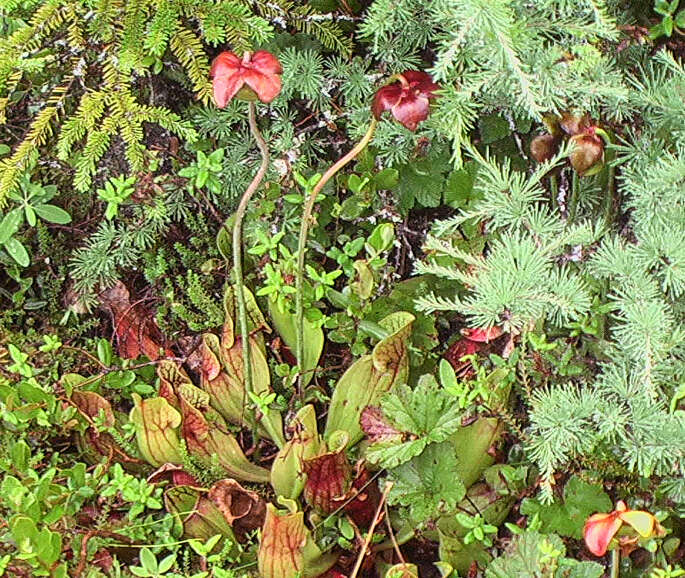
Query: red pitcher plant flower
[(408, 99), (601, 528), (255, 76)]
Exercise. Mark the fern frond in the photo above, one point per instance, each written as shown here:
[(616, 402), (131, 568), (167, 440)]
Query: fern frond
[(187, 47)]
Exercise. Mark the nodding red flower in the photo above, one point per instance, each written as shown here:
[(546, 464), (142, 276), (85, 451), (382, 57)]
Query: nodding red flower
[(408, 99), (588, 151), (601, 528), (255, 76)]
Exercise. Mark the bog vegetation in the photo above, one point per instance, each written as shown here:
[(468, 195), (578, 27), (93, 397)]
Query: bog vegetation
[(387, 288)]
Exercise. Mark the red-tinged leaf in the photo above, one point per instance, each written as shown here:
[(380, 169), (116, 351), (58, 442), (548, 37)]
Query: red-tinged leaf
[(211, 365), (376, 427), (363, 498), (208, 439), (134, 325), (103, 560), (198, 514), (328, 477), (171, 376), (92, 405), (287, 549), (174, 474), (243, 509)]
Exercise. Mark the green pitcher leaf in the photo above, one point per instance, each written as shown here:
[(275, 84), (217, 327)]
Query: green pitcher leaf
[(208, 438), (287, 549), (155, 422), (287, 471), (366, 380), (198, 515), (255, 318), (223, 379), (472, 444)]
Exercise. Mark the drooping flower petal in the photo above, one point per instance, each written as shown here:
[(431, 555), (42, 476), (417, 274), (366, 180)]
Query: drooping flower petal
[(385, 99), (410, 112), (599, 530), (543, 147), (266, 87), (588, 151), (642, 522)]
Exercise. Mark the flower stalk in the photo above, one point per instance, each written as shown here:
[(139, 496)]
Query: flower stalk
[(615, 563), (238, 244), (302, 244)]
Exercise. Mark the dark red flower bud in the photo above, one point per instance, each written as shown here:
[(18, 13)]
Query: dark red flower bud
[(408, 99), (572, 124), (588, 150), (256, 76), (544, 147)]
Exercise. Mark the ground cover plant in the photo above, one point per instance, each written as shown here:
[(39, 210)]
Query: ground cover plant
[(342, 289)]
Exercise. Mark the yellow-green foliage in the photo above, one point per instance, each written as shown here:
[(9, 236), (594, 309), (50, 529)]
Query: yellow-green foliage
[(87, 55)]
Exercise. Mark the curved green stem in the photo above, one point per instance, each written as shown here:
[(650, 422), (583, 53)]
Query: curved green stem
[(615, 562), (302, 244), (238, 245)]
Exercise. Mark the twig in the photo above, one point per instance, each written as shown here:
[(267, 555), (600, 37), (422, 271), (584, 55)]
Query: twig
[(392, 534), (369, 535)]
